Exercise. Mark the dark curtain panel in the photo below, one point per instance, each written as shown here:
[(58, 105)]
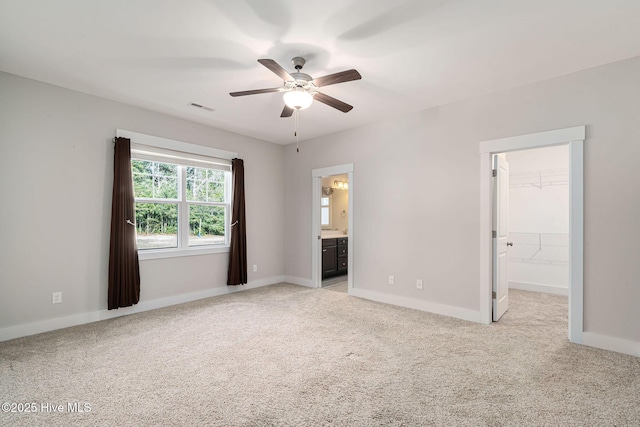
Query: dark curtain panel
[(237, 274), (124, 271)]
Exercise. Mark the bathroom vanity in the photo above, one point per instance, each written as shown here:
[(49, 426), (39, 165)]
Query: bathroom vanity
[(335, 251)]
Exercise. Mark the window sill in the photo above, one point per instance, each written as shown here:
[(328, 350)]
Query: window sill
[(146, 254)]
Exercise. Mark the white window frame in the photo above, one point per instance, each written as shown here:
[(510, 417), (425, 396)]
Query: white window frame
[(202, 156), (328, 207)]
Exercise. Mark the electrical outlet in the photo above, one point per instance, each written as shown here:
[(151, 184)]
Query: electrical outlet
[(392, 280), (56, 298), (419, 283), (255, 267)]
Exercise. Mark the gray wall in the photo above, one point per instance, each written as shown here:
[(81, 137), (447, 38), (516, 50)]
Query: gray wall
[(425, 167), (416, 196), (56, 174)]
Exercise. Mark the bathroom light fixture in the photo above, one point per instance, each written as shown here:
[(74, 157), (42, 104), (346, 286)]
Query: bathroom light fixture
[(298, 98), (341, 185)]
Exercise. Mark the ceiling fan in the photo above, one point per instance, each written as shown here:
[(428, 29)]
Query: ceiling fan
[(300, 89)]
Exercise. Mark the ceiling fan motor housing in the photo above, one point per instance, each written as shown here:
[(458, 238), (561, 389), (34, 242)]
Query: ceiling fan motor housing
[(300, 79), (298, 62)]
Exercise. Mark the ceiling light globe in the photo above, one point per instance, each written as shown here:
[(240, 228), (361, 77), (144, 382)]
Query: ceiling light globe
[(298, 99)]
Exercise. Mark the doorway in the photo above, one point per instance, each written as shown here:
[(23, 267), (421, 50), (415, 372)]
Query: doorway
[(538, 223), (531, 250), (334, 222), (574, 138)]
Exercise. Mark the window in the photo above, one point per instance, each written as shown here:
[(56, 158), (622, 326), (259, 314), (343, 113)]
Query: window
[(208, 206), (325, 212), (182, 201), (155, 188)]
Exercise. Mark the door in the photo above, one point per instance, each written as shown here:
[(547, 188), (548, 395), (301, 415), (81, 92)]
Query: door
[(329, 259), (500, 244)]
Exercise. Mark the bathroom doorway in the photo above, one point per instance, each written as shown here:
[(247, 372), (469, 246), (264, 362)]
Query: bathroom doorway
[(332, 227), (334, 223)]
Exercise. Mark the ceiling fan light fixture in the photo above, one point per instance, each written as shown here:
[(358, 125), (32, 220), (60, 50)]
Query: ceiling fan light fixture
[(298, 98)]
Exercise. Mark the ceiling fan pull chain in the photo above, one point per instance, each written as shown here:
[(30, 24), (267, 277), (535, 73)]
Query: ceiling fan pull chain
[(295, 131)]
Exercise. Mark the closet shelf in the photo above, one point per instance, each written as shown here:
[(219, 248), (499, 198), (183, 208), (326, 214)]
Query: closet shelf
[(539, 248), (539, 178), (538, 261)]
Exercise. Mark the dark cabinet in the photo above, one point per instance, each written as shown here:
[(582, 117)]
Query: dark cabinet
[(329, 260), (343, 256), (335, 254)]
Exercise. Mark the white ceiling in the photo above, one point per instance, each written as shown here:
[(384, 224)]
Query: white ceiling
[(412, 54)]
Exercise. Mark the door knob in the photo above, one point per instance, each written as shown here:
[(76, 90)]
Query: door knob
[(509, 243)]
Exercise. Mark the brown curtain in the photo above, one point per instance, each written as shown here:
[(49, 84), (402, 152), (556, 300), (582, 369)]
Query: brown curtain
[(124, 271), (237, 274)]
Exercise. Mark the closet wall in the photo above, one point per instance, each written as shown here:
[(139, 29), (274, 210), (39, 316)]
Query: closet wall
[(539, 219)]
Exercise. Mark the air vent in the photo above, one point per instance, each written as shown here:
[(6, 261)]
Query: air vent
[(202, 107)]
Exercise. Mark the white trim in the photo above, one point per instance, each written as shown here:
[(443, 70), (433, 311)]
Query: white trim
[(333, 170), (576, 241), (430, 307), (537, 287), (606, 342), (574, 138), (146, 254), (47, 325), (316, 230), (316, 266), (350, 271), (533, 140), (486, 241), (172, 144)]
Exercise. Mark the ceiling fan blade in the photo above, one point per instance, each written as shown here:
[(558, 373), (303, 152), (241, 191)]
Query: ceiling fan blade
[(255, 92), (332, 102), (276, 68), (287, 112), (342, 76)]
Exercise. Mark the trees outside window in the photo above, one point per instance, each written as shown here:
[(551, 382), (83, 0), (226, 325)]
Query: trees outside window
[(179, 206)]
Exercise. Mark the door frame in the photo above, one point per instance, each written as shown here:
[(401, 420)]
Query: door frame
[(316, 228), (573, 137)]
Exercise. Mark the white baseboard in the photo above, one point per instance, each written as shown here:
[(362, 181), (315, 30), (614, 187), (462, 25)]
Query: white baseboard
[(605, 342), (299, 281), (33, 328), (536, 287), (431, 307)]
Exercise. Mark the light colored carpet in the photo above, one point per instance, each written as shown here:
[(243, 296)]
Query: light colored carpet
[(293, 356)]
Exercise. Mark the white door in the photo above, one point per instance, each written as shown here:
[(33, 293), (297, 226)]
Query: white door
[(501, 234)]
